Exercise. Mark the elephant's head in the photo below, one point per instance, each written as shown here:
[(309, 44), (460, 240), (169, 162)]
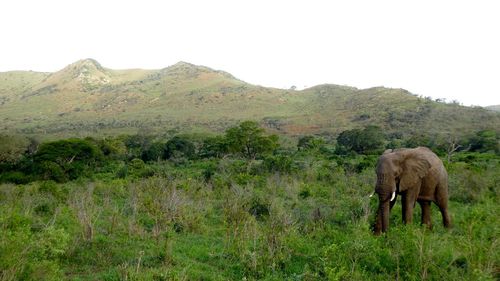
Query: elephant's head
[(397, 171)]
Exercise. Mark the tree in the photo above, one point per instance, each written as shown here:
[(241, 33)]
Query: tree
[(65, 159), (12, 148), (178, 146), (114, 148), (419, 140), (154, 152), (249, 140), (363, 141), (309, 142), (484, 141), (136, 144), (68, 151), (214, 147), (452, 145)]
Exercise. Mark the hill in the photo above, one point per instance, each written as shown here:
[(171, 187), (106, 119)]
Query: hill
[(86, 98), (493, 107)]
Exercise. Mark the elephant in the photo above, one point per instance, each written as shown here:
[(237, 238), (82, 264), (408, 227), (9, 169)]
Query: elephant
[(417, 174)]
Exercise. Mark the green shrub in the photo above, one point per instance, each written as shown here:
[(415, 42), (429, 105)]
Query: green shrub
[(249, 140), (50, 187), (369, 140), (234, 219), (12, 148), (32, 256), (179, 147), (137, 164), (279, 163), (66, 159), (16, 177), (154, 152), (122, 172), (485, 141), (310, 143), (214, 147), (48, 170)]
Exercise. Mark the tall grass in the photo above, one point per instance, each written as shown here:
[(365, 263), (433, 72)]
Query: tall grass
[(244, 222)]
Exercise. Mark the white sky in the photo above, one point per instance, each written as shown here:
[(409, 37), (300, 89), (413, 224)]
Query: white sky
[(443, 49)]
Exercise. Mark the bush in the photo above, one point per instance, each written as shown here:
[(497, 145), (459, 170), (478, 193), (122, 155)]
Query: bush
[(279, 163), (287, 216), (113, 148), (66, 159), (51, 171), (54, 189), (179, 147), (154, 152), (474, 180), (25, 255), (12, 148), (68, 151), (16, 177), (310, 143), (214, 147), (249, 140), (485, 141), (369, 140)]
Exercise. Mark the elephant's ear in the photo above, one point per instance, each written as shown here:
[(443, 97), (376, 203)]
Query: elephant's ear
[(415, 167)]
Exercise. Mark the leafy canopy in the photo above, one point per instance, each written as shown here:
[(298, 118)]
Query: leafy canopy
[(12, 148), (249, 140), (66, 159), (364, 141)]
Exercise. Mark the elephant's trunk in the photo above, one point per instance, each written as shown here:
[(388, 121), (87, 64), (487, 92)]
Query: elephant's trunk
[(392, 197), (382, 223), (384, 209)]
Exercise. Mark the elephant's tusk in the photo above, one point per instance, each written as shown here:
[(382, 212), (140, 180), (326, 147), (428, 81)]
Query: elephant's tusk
[(371, 195), (393, 195)]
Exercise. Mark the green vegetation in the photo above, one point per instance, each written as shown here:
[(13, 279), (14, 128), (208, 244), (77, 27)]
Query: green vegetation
[(248, 139), (365, 141), (152, 175), (237, 206), (86, 99)]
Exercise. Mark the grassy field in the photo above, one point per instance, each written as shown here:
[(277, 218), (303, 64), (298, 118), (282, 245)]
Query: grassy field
[(236, 219)]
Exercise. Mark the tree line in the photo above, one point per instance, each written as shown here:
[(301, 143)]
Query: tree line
[(23, 160)]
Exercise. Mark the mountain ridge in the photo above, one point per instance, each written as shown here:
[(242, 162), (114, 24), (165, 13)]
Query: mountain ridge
[(85, 98)]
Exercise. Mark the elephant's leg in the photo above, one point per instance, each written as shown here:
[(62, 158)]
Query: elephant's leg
[(403, 204), (442, 203), (408, 201), (426, 212), (443, 207), (446, 217)]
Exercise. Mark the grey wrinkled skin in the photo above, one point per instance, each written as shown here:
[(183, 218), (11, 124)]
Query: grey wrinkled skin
[(415, 174)]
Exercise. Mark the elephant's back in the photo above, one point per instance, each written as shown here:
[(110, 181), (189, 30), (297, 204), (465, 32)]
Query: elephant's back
[(438, 166), (436, 163)]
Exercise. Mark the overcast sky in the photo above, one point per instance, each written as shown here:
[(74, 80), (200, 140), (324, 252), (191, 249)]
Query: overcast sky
[(442, 49)]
